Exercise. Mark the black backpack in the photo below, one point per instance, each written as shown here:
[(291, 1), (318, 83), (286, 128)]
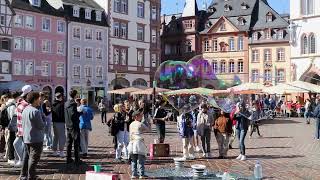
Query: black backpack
[(4, 117)]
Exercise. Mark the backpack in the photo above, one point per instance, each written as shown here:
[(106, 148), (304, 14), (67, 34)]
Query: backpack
[(4, 117), (113, 126)]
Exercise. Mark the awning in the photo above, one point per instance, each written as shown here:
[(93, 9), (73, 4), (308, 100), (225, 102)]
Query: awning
[(306, 86), (284, 89), (124, 90), (247, 88), (149, 91), (16, 86)]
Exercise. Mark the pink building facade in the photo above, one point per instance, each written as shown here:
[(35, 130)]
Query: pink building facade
[(39, 48)]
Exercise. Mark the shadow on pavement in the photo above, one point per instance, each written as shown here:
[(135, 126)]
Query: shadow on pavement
[(278, 121), (273, 156), (280, 147), (280, 137)]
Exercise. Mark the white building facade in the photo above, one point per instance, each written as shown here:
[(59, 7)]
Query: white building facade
[(6, 18), (134, 49), (304, 39)]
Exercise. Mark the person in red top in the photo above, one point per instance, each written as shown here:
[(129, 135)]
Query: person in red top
[(18, 142), (234, 123)]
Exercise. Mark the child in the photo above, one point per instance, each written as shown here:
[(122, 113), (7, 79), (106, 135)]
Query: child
[(137, 149), (186, 133)]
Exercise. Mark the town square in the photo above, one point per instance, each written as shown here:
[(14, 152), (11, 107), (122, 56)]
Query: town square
[(159, 89)]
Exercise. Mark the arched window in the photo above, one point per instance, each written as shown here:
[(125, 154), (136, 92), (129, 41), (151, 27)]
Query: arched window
[(223, 66), (312, 44), (304, 44)]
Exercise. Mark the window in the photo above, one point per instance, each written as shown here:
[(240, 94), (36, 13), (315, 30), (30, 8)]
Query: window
[(18, 67), (46, 69), (215, 67), (267, 55), (76, 71), (29, 22), (231, 67), (269, 17), (99, 54), (240, 66), (223, 27), (61, 26), (240, 43), (117, 5), (2, 20), (76, 32), (140, 58), (154, 36), (124, 6), (255, 36), (116, 56), (304, 45), (87, 71), (255, 56), (88, 34), (306, 7), (18, 43), (88, 14), (154, 60), (267, 75), (116, 29), (140, 10), (88, 53), (60, 70), (188, 46), (29, 44), (206, 45), (76, 10), (29, 68), (5, 44), (46, 24), (5, 67), (255, 75), (99, 71), (18, 21), (280, 34), (222, 67), (60, 47), (312, 44), (188, 24), (99, 35), (215, 45), (98, 15), (241, 21), (140, 33), (36, 2), (76, 52), (244, 6), (280, 54), (46, 46), (231, 44), (223, 46), (154, 13), (123, 30), (123, 56), (267, 34), (227, 8), (280, 75)]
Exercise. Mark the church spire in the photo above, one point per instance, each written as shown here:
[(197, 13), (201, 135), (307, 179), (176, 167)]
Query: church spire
[(190, 8)]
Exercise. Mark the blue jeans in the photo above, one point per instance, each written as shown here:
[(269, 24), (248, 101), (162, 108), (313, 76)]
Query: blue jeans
[(318, 128), (48, 134), (307, 116), (241, 134), (137, 161)]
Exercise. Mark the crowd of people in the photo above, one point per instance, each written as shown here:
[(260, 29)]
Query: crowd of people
[(26, 121)]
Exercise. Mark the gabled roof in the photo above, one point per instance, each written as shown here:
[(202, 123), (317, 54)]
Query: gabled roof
[(219, 6), (84, 3), (190, 8), (45, 8), (216, 23)]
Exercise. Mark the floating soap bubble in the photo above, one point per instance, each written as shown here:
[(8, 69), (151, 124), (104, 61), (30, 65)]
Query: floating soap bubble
[(185, 103)]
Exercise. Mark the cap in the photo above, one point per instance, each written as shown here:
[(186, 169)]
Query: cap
[(26, 89)]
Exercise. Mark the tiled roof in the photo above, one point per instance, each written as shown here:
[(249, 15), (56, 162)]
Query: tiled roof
[(84, 3), (45, 8)]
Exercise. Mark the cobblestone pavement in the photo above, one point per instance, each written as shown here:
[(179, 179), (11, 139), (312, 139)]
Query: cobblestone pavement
[(286, 151)]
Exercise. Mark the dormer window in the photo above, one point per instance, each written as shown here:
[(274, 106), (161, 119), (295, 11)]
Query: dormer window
[(88, 14), (212, 9), (223, 27), (244, 6), (280, 34), (76, 11), (209, 24), (98, 15), (269, 17), (227, 8), (255, 36), (36, 3), (241, 21)]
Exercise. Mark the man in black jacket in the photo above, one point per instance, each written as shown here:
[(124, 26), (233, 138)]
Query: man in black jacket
[(73, 129), (59, 131)]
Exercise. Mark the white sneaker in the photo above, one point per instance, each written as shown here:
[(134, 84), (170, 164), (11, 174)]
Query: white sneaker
[(11, 162), (239, 157), (61, 154), (18, 164), (198, 149), (46, 149), (243, 158), (55, 153), (204, 155), (191, 157)]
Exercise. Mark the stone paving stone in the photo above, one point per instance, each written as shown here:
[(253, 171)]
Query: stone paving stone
[(287, 151)]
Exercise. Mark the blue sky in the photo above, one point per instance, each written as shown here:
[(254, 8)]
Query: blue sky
[(169, 6)]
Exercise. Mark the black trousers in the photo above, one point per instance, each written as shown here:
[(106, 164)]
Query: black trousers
[(254, 127), (104, 116), (73, 138), (12, 137), (161, 131), (31, 157)]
